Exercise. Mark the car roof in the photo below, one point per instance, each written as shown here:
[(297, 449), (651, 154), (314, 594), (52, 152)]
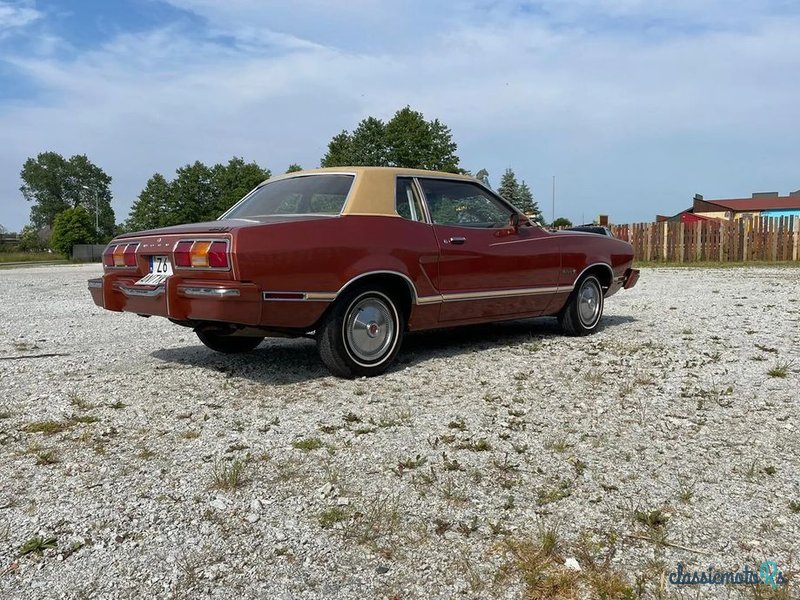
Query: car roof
[(373, 191)]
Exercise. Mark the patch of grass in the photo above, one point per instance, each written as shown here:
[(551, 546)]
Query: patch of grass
[(351, 417), (554, 494), (685, 490), (85, 419), (653, 519), (47, 427), (118, 404), (145, 454), (37, 545), (794, 506), (308, 444), (481, 445), (458, 424), (229, 476), (331, 516), (780, 370), (5, 414), (46, 457), (559, 445), (450, 465), (409, 464), (191, 434)]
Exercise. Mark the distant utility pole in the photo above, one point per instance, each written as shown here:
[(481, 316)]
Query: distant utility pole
[(554, 199)]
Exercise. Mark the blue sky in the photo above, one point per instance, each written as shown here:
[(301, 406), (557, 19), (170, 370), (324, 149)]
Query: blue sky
[(634, 105)]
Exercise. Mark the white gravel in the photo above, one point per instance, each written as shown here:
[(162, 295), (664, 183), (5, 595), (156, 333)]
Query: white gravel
[(424, 474)]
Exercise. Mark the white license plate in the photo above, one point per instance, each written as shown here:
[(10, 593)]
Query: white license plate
[(160, 270)]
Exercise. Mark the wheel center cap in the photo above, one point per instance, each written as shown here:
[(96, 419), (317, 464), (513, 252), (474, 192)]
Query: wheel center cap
[(373, 329)]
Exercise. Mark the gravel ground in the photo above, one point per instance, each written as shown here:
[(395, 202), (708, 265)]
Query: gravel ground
[(492, 461)]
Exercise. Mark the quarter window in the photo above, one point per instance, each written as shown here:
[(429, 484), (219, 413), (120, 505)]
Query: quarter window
[(463, 204), (407, 201)]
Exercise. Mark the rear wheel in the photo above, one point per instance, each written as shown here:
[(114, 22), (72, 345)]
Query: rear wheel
[(362, 334), (582, 313), (228, 344)]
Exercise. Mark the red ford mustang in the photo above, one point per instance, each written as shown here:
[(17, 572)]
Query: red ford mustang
[(356, 257)]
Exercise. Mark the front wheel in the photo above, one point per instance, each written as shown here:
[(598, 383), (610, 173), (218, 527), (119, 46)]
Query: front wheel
[(584, 308), (362, 334), (228, 344)]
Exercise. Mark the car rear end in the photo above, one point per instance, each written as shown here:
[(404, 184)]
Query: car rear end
[(186, 275)]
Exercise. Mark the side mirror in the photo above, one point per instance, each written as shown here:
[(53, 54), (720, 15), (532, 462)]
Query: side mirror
[(514, 222)]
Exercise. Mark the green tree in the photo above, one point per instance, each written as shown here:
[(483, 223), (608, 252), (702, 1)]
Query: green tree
[(32, 240), (519, 194), (233, 181), (192, 197), (150, 209), (561, 222), (54, 184), (293, 168), (407, 140), (73, 226), (509, 187)]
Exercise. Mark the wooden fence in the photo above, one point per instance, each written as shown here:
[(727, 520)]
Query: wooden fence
[(743, 240)]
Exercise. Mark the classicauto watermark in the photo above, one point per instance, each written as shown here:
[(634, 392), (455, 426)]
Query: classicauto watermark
[(768, 573)]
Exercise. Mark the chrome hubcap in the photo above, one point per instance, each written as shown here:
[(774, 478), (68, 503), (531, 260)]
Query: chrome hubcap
[(589, 303), (370, 329)]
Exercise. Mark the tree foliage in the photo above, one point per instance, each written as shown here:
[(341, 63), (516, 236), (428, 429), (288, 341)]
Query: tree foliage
[(561, 222), (72, 226), (406, 140), (519, 194), (197, 193), (293, 168), (54, 184)]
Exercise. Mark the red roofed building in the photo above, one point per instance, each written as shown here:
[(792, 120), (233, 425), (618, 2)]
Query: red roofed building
[(760, 204)]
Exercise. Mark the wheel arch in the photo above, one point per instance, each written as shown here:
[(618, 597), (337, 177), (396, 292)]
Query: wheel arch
[(399, 285), (602, 271)]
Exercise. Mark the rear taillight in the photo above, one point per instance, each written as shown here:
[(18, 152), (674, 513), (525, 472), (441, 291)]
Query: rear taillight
[(129, 256), (108, 256), (218, 255), (181, 254), (201, 254), (120, 255)]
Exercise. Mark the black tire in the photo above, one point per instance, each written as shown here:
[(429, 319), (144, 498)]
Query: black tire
[(228, 344), (362, 334), (584, 309)]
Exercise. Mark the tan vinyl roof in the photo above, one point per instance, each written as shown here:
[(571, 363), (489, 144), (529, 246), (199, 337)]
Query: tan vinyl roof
[(373, 191)]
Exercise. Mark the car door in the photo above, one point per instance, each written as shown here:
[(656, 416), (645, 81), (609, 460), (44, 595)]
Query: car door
[(487, 267)]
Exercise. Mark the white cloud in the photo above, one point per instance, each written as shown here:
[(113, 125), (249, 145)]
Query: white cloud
[(628, 122), (15, 15)]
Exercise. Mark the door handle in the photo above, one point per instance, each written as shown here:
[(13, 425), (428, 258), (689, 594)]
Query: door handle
[(458, 240)]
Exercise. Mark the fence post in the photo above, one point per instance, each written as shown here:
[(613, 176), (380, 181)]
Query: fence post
[(746, 245), (795, 237)]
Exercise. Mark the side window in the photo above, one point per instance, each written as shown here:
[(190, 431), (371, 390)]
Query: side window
[(463, 204), (407, 202)]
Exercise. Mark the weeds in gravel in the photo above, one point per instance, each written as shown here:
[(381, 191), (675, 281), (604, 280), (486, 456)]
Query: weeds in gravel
[(780, 370), (117, 405), (191, 434), (47, 427), (481, 445), (331, 516), (554, 494), (307, 444), (559, 445), (685, 490), (46, 457), (372, 519), (351, 417), (409, 464), (458, 424), (229, 476), (37, 545), (794, 506), (5, 414), (79, 402)]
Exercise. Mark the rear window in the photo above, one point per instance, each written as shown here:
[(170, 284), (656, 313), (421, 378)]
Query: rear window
[(305, 195)]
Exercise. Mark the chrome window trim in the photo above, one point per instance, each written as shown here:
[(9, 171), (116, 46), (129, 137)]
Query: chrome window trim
[(475, 182)]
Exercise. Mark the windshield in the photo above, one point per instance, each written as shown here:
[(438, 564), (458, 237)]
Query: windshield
[(304, 195)]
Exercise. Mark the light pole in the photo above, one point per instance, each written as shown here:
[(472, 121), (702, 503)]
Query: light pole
[(96, 209)]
